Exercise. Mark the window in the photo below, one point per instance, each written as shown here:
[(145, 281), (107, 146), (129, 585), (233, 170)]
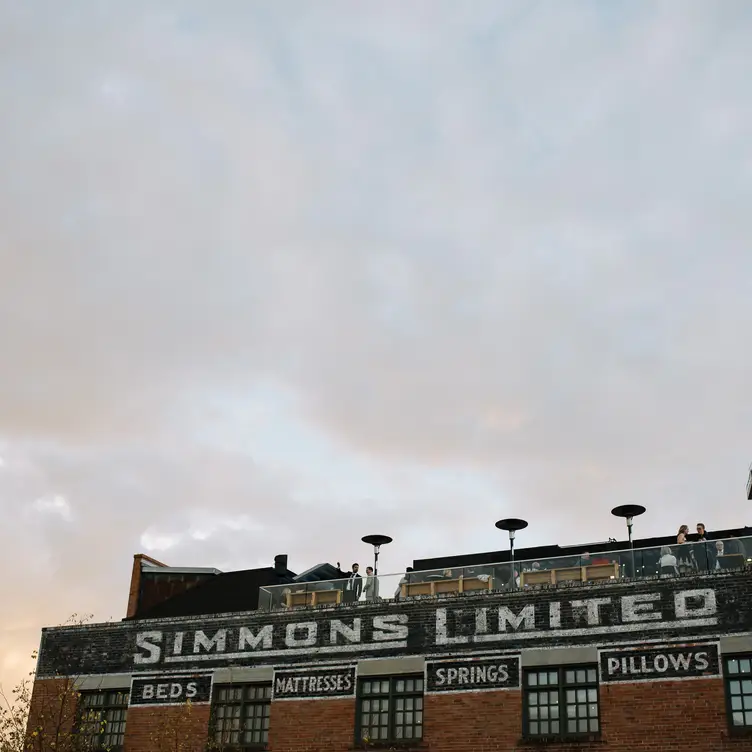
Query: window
[(240, 716), (390, 709), (101, 719), (561, 702), (738, 677)]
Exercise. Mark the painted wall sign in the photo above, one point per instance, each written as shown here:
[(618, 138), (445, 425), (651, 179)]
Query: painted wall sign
[(508, 621), (660, 662), (604, 614), (312, 683), (171, 690), (473, 674)]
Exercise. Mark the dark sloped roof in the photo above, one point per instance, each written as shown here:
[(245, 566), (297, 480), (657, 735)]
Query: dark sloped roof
[(222, 593)]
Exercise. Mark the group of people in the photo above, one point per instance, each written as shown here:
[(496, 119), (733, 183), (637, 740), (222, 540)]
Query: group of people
[(696, 552), (355, 587), (693, 552)]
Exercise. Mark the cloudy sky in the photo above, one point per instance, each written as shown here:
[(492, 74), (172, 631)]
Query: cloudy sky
[(275, 275)]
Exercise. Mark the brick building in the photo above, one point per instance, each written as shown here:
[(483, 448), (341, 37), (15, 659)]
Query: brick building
[(589, 648)]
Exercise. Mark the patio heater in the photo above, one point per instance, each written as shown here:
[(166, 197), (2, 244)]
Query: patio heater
[(629, 512), (511, 525), (377, 541)]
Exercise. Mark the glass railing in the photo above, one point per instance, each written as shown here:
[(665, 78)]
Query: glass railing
[(672, 560)]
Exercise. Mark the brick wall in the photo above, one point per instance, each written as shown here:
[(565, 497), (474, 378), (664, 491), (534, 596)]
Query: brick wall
[(681, 716), (167, 729), (311, 725), (52, 714), (675, 716)]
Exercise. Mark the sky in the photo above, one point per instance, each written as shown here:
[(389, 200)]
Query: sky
[(277, 275)]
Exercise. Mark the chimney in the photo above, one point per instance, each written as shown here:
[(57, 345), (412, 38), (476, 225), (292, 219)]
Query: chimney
[(280, 564)]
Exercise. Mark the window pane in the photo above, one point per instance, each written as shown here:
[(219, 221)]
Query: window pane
[(241, 714), (580, 705)]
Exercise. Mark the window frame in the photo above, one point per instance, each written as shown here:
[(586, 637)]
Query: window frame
[(95, 742), (727, 679), (243, 703), (561, 687), (391, 741)]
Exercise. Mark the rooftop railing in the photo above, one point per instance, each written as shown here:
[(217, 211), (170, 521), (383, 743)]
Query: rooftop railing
[(640, 563)]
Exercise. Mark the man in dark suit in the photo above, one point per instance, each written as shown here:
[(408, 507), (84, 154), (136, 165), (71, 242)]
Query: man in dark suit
[(703, 552), (354, 585)]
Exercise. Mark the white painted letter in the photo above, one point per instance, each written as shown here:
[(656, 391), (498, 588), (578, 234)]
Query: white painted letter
[(392, 627), (554, 615), (481, 621), (264, 637), (592, 605), (146, 641), (708, 607), (640, 608), (525, 619), (308, 641), (351, 634), (442, 636), (200, 640), (177, 645)]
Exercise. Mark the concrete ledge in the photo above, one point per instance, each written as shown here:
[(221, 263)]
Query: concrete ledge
[(559, 656), (102, 681), (243, 674), (386, 666), (736, 644)]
